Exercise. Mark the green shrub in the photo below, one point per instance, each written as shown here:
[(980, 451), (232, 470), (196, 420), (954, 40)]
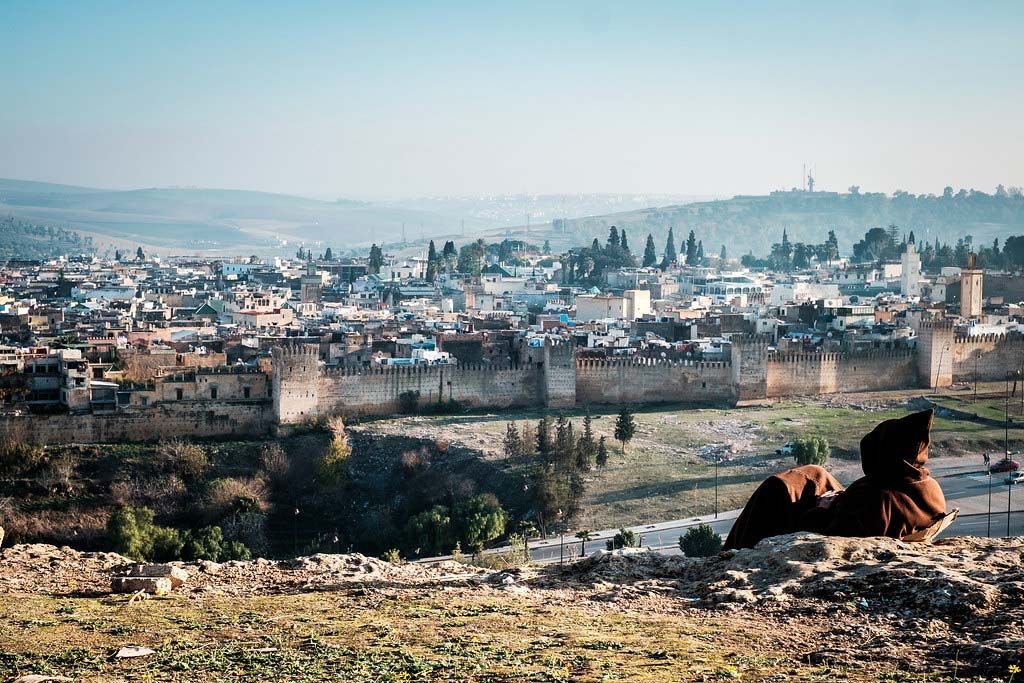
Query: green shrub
[(134, 535), (392, 556), (623, 539), (812, 450), (700, 541), (479, 520), (430, 531)]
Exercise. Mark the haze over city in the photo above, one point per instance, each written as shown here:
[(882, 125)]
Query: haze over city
[(378, 100)]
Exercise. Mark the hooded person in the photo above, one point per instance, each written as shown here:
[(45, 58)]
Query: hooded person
[(895, 497), (784, 503)]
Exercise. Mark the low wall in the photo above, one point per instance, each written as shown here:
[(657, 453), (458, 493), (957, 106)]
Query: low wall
[(802, 374), (648, 380), (376, 391), (186, 419)]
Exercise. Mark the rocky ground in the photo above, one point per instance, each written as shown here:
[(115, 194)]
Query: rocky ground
[(799, 607)]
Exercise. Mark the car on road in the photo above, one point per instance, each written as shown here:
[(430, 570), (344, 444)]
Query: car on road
[(1004, 465), (1015, 478), (787, 449)]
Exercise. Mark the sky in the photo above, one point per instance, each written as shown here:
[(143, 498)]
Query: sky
[(395, 99)]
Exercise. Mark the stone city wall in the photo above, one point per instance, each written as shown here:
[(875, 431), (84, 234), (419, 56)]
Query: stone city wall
[(987, 357), (803, 374), (650, 380), (185, 419)]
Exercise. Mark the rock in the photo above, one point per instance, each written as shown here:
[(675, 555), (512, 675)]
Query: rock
[(1, 536), (209, 567), (155, 585), (129, 651), (177, 575), (39, 678)]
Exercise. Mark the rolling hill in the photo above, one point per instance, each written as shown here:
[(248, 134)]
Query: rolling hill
[(190, 220)]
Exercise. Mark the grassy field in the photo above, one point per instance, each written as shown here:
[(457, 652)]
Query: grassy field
[(667, 471), (363, 635)]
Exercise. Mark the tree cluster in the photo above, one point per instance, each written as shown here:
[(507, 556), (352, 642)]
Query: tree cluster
[(588, 265)]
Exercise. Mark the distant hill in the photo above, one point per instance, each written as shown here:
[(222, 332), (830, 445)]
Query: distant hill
[(214, 220), (753, 223)]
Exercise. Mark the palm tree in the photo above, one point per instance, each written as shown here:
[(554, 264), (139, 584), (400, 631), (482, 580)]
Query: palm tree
[(584, 536)]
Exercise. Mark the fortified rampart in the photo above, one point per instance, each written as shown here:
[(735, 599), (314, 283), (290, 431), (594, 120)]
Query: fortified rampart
[(987, 357), (294, 387), (185, 419), (649, 380), (798, 374)]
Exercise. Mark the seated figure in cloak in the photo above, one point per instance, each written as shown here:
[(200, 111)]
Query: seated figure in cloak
[(896, 496)]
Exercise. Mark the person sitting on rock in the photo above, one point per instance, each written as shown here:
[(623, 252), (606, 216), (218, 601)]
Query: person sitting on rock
[(895, 497)]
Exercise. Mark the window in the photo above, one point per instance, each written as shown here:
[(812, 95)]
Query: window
[(145, 400), (245, 392), (178, 394), (213, 392)]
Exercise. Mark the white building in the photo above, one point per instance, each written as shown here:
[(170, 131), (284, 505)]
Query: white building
[(910, 278)]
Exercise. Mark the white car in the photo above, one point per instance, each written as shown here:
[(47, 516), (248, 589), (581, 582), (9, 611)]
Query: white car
[(1015, 478), (787, 449)]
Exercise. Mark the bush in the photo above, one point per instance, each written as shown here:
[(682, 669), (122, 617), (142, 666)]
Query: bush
[(275, 462), (812, 450), (134, 535), (408, 401), (332, 467), (700, 541), (19, 456), (479, 520), (623, 539), (234, 495), (208, 544), (187, 460), (392, 556), (430, 531)]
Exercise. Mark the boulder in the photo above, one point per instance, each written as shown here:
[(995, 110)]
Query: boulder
[(155, 585), (177, 575)]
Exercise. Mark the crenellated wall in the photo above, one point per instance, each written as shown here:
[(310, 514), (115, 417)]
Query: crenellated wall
[(295, 387), (377, 391), (185, 419), (799, 374), (987, 356), (649, 380)]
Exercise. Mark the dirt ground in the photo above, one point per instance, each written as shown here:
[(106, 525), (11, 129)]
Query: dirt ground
[(800, 607)]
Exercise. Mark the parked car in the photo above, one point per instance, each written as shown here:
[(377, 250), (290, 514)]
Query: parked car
[(787, 449), (1015, 478), (1004, 465)]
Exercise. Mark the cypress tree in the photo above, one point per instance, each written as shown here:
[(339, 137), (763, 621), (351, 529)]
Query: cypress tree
[(650, 253)]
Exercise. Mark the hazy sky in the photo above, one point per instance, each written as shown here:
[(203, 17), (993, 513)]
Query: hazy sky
[(404, 99)]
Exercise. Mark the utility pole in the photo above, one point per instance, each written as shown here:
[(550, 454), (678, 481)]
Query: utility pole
[(988, 533), (716, 486)]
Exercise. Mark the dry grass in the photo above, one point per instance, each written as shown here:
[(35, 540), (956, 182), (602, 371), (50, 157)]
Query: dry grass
[(381, 635)]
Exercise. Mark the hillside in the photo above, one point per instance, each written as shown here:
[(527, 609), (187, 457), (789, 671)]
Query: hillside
[(216, 220), (799, 607), (752, 223)]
